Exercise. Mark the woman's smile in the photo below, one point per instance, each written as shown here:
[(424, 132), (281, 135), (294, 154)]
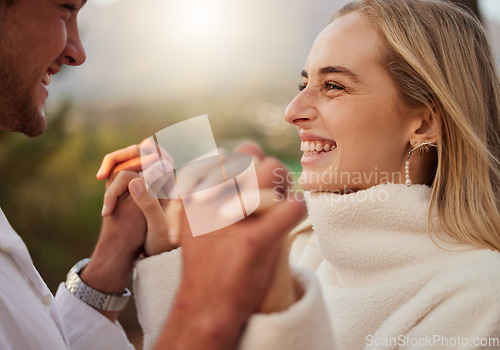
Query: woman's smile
[(316, 150)]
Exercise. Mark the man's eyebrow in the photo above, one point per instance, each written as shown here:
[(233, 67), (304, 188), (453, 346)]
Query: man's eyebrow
[(333, 69)]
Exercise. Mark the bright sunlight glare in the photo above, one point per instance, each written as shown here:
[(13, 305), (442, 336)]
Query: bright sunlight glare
[(198, 21), (203, 33), (200, 18)]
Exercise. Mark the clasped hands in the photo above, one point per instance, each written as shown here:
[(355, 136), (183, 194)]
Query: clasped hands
[(228, 274)]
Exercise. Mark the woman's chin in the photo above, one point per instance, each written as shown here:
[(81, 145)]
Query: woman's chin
[(316, 182)]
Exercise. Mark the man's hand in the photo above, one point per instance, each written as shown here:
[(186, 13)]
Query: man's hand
[(121, 168), (120, 242), (227, 274)]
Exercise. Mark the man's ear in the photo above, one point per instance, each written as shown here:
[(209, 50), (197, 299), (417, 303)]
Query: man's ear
[(425, 126)]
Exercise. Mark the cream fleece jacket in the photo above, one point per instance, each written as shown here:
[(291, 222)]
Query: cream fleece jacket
[(373, 277)]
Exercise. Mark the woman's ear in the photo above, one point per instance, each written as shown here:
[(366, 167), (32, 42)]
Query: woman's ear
[(425, 126)]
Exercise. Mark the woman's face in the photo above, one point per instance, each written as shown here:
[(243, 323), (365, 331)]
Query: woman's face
[(355, 132)]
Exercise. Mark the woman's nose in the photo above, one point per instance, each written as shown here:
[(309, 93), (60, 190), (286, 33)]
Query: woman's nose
[(301, 110)]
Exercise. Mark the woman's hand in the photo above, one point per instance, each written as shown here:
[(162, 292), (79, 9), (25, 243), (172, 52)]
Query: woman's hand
[(128, 158), (125, 159), (121, 168), (282, 291)]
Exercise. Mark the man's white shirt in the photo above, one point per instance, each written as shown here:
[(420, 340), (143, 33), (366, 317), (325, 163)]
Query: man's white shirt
[(32, 318)]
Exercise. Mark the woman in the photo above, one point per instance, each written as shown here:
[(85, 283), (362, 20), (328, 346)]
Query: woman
[(399, 120)]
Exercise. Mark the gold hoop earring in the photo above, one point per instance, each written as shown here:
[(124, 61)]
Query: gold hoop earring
[(422, 148)]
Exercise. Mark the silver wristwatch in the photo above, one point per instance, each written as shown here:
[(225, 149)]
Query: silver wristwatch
[(90, 296)]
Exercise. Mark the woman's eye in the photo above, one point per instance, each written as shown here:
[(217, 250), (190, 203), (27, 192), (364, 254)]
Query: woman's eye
[(333, 86), (302, 86)]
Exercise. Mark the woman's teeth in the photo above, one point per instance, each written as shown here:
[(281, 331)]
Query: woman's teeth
[(314, 147)]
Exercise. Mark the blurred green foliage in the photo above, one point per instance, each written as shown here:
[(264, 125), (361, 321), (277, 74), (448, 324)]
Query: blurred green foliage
[(49, 191)]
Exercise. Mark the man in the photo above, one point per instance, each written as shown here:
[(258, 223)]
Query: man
[(38, 37)]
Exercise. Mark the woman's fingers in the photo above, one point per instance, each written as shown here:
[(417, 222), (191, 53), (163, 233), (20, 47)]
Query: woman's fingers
[(252, 149), (115, 190), (133, 164), (272, 173), (129, 158), (114, 158)]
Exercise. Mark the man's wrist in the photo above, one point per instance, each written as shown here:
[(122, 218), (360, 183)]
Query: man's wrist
[(110, 267), (91, 296), (107, 276)]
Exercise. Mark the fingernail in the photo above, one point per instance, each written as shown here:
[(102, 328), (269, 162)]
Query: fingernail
[(104, 210), (99, 173), (136, 187)]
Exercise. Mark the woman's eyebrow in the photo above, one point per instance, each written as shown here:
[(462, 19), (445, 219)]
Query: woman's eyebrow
[(333, 69)]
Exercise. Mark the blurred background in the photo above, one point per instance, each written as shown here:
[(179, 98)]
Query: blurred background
[(150, 64)]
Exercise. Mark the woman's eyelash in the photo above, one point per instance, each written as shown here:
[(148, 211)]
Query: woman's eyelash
[(334, 86), (328, 85)]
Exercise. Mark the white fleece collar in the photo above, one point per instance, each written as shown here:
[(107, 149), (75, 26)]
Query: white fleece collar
[(375, 233)]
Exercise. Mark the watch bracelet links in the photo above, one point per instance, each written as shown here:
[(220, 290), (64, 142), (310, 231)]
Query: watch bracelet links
[(91, 296)]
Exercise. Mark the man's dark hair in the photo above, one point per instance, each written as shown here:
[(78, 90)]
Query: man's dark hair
[(6, 3)]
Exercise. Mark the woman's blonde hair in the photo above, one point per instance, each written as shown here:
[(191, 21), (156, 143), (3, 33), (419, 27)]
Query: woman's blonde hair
[(438, 55)]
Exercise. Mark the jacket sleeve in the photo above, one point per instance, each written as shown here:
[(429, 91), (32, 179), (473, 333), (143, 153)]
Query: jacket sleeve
[(86, 328), (156, 281), (469, 320), (459, 308), (305, 325)]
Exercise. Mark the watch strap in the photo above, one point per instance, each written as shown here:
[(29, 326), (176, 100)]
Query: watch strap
[(91, 296)]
